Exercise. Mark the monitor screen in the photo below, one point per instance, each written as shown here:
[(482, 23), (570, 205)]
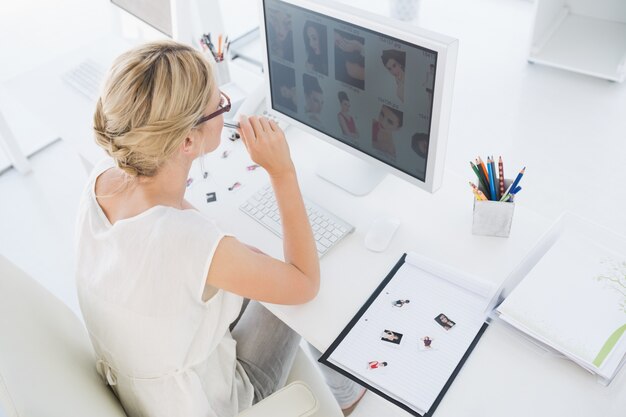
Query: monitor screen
[(369, 90)]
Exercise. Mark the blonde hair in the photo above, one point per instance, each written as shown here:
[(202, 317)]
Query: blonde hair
[(153, 96)]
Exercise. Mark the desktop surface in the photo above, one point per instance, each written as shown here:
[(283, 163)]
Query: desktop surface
[(62, 107), (438, 226), (496, 378)]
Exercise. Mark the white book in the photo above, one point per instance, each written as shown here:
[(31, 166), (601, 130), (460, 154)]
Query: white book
[(574, 299), (412, 336)]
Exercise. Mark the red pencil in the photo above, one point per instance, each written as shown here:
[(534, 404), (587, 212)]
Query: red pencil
[(501, 172)]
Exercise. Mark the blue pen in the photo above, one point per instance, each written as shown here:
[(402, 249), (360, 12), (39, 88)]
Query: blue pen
[(518, 178), (492, 188)]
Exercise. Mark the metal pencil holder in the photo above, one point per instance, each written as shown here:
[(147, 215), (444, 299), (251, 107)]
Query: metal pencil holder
[(493, 218)]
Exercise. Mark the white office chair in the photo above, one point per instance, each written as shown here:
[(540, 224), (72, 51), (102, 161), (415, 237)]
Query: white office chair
[(47, 365)]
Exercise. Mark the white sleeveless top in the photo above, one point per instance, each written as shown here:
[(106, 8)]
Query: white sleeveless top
[(162, 349)]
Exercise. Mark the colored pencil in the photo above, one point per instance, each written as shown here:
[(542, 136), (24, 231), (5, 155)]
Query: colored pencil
[(518, 178), (501, 172), (476, 196), (494, 173), (482, 166), (506, 193), (479, 194), (475, 169), (485, 181), (481, 177), (492, 187)]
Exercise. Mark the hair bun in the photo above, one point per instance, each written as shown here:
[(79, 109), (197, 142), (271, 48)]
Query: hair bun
[(151, 99)]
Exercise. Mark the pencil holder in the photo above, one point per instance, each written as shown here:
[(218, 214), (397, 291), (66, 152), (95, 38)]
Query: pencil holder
[(493, 218), (221, 72)]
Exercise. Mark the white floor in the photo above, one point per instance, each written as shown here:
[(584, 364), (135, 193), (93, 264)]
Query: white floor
[(569, 130)]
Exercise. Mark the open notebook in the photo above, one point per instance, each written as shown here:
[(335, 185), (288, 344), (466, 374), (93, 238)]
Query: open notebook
[(574, 298), (411, 337)]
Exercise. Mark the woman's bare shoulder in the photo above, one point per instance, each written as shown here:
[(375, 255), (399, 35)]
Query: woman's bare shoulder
[(111, 192), (109, 181)]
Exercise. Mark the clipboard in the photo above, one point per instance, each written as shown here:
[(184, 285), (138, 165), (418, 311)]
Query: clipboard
[(377, 302)]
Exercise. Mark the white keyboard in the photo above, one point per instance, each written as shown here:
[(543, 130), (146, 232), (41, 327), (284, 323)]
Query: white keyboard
[(328, 229), (86, 78)]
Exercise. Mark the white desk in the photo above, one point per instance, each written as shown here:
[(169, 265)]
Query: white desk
[(12, 148), (46, 100), (506, 374)]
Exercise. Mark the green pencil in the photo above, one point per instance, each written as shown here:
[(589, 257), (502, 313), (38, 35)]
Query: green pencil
[(481, 178)]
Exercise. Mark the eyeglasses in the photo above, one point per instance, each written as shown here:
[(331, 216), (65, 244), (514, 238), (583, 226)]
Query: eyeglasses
[(224, 107)]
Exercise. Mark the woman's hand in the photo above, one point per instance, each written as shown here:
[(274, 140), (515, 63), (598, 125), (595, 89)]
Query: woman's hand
[(266, 144), (348, 45)]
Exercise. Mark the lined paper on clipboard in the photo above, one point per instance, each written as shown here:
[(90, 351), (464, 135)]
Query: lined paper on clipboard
[(406, 351)]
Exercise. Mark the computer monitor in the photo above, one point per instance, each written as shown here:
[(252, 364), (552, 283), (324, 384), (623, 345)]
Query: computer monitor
[(182, 20), (156, 13), (376, 88)]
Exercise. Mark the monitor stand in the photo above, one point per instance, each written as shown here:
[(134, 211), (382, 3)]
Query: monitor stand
[(350, 173)]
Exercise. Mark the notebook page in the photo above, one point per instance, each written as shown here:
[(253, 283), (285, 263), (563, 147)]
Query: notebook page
[(455, 276), (563, 303), (414, 374)]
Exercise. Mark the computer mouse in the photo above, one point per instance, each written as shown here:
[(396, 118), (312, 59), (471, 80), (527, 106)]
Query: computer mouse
[(380, 233)]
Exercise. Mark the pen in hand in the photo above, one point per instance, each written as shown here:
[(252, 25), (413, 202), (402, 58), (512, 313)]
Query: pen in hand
[(231, 125)]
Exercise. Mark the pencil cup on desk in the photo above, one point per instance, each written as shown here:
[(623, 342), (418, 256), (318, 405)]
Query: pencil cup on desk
[(493, 218), (221, 72)]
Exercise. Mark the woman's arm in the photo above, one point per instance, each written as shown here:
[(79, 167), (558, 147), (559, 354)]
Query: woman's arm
[(239, 269)]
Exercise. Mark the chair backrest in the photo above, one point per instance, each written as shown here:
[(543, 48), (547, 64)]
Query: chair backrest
[(47, 366)]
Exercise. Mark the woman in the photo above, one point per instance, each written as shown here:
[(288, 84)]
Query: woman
[(389, 120), (159, 284), (345, 119), (315, 45), (419, 144), (313, 98), (280, 35), (376, 364), (395, 62), (283, 81), (400, 303)]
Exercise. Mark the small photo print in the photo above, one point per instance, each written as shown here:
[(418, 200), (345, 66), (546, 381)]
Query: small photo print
[(376, 365), (444, 321), (400, 303), (427, 343), (390, 336), (211, 197)]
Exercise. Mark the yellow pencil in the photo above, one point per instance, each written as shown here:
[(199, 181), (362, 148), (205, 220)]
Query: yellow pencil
[(477, 193)]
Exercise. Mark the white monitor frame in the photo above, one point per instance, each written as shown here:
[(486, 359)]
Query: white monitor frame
[(181, 20), (446, 48)]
